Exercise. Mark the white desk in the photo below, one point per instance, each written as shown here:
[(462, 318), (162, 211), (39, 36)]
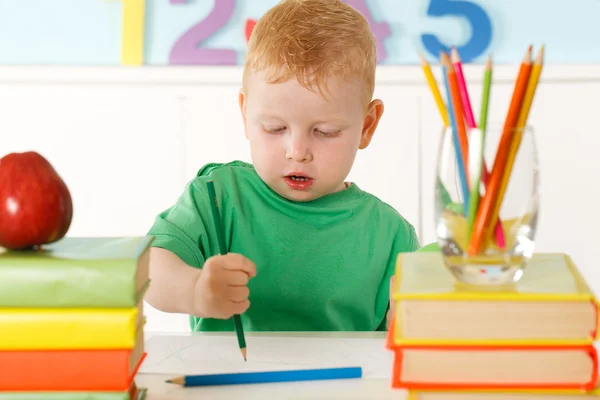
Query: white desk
[(368, 389)]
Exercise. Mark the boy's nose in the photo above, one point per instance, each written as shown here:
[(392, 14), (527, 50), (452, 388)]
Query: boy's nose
[(299, 150)]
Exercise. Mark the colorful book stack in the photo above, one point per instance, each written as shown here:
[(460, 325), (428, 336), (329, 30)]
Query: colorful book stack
[(531, 340), (71, 319)]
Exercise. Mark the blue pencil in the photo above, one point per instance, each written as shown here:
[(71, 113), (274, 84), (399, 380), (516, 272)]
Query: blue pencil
[(459, 159), (268, 377)]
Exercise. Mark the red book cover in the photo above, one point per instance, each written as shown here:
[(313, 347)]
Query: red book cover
[(69, 370)]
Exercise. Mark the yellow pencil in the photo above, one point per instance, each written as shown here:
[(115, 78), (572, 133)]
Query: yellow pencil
[(534, 78), (435, 91)]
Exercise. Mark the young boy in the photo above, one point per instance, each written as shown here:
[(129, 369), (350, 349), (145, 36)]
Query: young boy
[(307, 250)]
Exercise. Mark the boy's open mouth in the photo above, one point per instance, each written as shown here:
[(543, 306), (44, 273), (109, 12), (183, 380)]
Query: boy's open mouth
[(298, 181), (298, 178)]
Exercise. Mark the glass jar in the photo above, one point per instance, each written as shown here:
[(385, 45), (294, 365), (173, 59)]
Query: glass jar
[(487, 203)]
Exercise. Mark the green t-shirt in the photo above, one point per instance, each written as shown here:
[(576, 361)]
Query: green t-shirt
[(322, 265)]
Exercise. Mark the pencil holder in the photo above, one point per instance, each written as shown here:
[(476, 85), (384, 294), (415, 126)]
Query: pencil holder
[(487, 203)]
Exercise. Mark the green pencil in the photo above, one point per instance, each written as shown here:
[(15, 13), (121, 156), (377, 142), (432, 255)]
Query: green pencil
[(487, 82), (223, 249), (474, 203)]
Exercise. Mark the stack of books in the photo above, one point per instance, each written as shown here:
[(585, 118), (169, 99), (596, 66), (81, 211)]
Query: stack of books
[(71, 319), (533, 339)]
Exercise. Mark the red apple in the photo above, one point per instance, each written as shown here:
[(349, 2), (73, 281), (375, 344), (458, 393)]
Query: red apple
[(35, 204)]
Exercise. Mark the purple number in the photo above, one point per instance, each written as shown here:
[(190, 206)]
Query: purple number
[(185, 51), (381, 30)]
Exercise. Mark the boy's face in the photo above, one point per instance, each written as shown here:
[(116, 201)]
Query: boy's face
[(302, 144)]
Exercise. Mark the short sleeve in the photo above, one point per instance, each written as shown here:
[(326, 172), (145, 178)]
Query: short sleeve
[(414, 240), (181, 228), (406, 242)]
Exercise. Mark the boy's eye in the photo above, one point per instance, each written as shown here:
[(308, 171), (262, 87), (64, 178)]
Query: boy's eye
[(275, 129), (328, 133)]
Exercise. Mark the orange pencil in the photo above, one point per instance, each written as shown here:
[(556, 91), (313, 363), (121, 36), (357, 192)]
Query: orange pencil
[(487, 204), (518, 135), (457, 107)]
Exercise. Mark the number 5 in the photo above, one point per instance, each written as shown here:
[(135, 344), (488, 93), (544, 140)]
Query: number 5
[(481, 28)]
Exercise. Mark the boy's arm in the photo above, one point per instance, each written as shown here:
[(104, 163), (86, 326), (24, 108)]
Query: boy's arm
[(176, 258), (173, 282)]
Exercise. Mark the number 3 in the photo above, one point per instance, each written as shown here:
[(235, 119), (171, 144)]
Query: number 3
[(481, 28)]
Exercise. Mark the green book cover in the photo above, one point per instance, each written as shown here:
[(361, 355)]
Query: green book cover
[(65, 396), (140, 395), (104, 272)]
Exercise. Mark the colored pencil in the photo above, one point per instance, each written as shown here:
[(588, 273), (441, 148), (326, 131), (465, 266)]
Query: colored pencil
[(457, 109), (486, 206), (445, 196), (475, 170), (464, 95), (434, 90), (462, 86), (487, 83), (239, 329), (268, 377), (460, 160), (485, 98), (524, 114), (484, 174)]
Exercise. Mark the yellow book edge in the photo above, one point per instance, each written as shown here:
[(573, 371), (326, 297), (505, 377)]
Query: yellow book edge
[(69, 329)]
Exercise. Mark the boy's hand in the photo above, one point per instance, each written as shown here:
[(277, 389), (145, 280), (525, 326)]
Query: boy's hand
[(221, 290), (390, 313)]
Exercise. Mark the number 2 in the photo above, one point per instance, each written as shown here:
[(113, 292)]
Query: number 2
[(186, 50), (481, 28)]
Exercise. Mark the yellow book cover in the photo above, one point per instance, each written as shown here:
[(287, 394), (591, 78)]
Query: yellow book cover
[(502, 395), (551, 304), (69, 328)]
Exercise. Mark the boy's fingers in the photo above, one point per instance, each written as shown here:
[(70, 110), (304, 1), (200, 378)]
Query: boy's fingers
[(238, 278), (238, 262)]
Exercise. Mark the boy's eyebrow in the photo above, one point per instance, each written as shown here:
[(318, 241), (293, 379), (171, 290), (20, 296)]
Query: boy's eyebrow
[(332, 119), (263, 115)]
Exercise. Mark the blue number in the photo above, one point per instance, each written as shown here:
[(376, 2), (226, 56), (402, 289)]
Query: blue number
[(481, 28)]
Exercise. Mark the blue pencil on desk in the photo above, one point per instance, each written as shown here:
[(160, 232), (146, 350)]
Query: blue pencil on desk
[(268, 377)]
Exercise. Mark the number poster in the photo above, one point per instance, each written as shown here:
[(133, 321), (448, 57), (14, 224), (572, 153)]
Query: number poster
[(215, 32)]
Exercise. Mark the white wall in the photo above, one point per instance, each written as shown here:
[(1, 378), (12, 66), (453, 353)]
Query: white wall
[(136, 136)]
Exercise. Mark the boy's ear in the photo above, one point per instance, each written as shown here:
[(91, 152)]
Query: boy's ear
[(242, 102), (372, 117)]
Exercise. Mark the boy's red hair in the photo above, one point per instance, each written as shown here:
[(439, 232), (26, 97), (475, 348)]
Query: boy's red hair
[(312, 40)]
